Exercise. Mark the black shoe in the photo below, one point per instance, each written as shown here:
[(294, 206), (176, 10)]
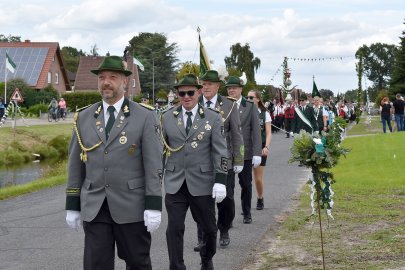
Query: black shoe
[(224, 239), (260, 204), (207, 265), (198, 247), (247, 219)]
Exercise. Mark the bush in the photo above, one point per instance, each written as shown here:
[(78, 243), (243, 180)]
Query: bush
[(36, 109), (79, 100), (60, 144)]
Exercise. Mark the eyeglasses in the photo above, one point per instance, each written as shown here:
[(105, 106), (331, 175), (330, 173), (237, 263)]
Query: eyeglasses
[(189, 93), (250, 97)]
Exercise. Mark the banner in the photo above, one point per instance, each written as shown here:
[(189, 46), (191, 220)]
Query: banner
[(10, 64)]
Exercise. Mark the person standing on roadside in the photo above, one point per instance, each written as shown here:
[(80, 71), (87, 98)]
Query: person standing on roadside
[(265, 128), (399, 105), (252, 140), (114, 174), (386, 111)]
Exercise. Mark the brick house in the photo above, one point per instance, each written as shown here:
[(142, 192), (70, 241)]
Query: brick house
[(37, 63), (87, 81)]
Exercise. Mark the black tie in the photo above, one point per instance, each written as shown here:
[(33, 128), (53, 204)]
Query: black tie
[(189, 122), (110, 122), (208, 103)]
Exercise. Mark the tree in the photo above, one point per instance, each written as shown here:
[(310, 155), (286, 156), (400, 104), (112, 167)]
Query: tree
[(71, 58), (10, 38), (326, 93), (377, 62), (186, 68), (397, 83), (243, 60), (157, 55)]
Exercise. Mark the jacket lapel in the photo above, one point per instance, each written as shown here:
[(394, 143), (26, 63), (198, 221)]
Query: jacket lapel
[(178, 118), (99, 122), (198, 121)]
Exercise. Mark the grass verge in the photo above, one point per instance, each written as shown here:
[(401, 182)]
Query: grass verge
[(368, 231)]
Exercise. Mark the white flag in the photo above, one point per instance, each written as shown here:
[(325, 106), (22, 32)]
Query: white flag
[(10, 64), (139, 64)]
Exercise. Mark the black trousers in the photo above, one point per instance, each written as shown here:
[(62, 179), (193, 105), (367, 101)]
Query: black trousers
[(203, 211), (102, 234), (245, 182), (226, 208), (288, 124)]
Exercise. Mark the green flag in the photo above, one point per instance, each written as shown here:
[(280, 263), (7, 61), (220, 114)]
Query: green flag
[(204, 61), (10, 64), (315, 91)]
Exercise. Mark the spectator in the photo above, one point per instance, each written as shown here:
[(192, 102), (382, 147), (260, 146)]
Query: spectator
[(398, 105), (386, 111)]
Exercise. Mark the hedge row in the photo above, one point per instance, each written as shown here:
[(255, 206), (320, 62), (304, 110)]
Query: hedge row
[(79, 100)]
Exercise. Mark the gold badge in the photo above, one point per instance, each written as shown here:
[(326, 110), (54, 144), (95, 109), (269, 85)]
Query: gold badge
[(131, 149), (123, 140), (122, 117), (194, 144), (207, 126), (98, 123), (195, 126), (200, 136), (101, 129)]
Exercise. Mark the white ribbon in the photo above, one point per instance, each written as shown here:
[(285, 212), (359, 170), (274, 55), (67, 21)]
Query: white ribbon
[(302, 116)]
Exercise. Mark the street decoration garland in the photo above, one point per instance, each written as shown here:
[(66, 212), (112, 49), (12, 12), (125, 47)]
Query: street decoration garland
[(320, 152), (14, 109)]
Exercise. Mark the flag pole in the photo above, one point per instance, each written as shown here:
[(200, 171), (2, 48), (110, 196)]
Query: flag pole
[(5, 79)]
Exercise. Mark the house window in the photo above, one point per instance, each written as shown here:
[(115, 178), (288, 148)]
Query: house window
[(49, 77), (56, 78), (133, 83)]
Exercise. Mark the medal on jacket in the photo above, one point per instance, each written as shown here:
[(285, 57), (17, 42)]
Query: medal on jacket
[(123, 139), (194, 144), (207, 126)]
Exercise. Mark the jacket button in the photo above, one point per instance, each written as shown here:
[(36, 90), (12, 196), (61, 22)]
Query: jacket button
[(106, 152), (105, 169), (107, 185)]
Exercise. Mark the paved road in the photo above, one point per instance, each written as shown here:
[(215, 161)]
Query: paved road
[(33, 233)]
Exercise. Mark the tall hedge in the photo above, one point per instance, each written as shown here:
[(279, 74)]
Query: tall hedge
[(79, 100)]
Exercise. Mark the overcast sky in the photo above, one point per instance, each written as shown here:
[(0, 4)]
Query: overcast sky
[(301, 29)]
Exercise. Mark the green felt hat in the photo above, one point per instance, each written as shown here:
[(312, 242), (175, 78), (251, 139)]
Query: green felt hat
[(303, 96), (188, 80), (211, 76), (112, 63), (234, 81)]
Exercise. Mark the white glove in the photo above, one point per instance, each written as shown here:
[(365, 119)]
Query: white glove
[(73, 219), (237, 169), (219, 192), (152, 219), (256, 161)]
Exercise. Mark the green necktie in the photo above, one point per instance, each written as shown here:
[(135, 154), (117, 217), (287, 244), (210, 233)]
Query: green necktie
[(110, 122), (189, 122), (208, 103)]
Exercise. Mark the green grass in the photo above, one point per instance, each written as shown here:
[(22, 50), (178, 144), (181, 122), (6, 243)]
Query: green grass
[(368, 231), (368, 125)]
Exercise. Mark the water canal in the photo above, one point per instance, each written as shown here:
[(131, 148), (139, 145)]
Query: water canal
[(24, 173)]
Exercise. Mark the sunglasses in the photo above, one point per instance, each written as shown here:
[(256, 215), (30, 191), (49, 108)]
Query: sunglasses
[(302, 100), (250, 97), (189, 93)]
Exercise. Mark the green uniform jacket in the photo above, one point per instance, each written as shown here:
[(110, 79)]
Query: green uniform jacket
[(126, 169), (234, 139), (201, 159)]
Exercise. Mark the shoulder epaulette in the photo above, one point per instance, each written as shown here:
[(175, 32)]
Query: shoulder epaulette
[(83, 108), (147, 106), (167, 109), (231, 98), (214, 109)]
